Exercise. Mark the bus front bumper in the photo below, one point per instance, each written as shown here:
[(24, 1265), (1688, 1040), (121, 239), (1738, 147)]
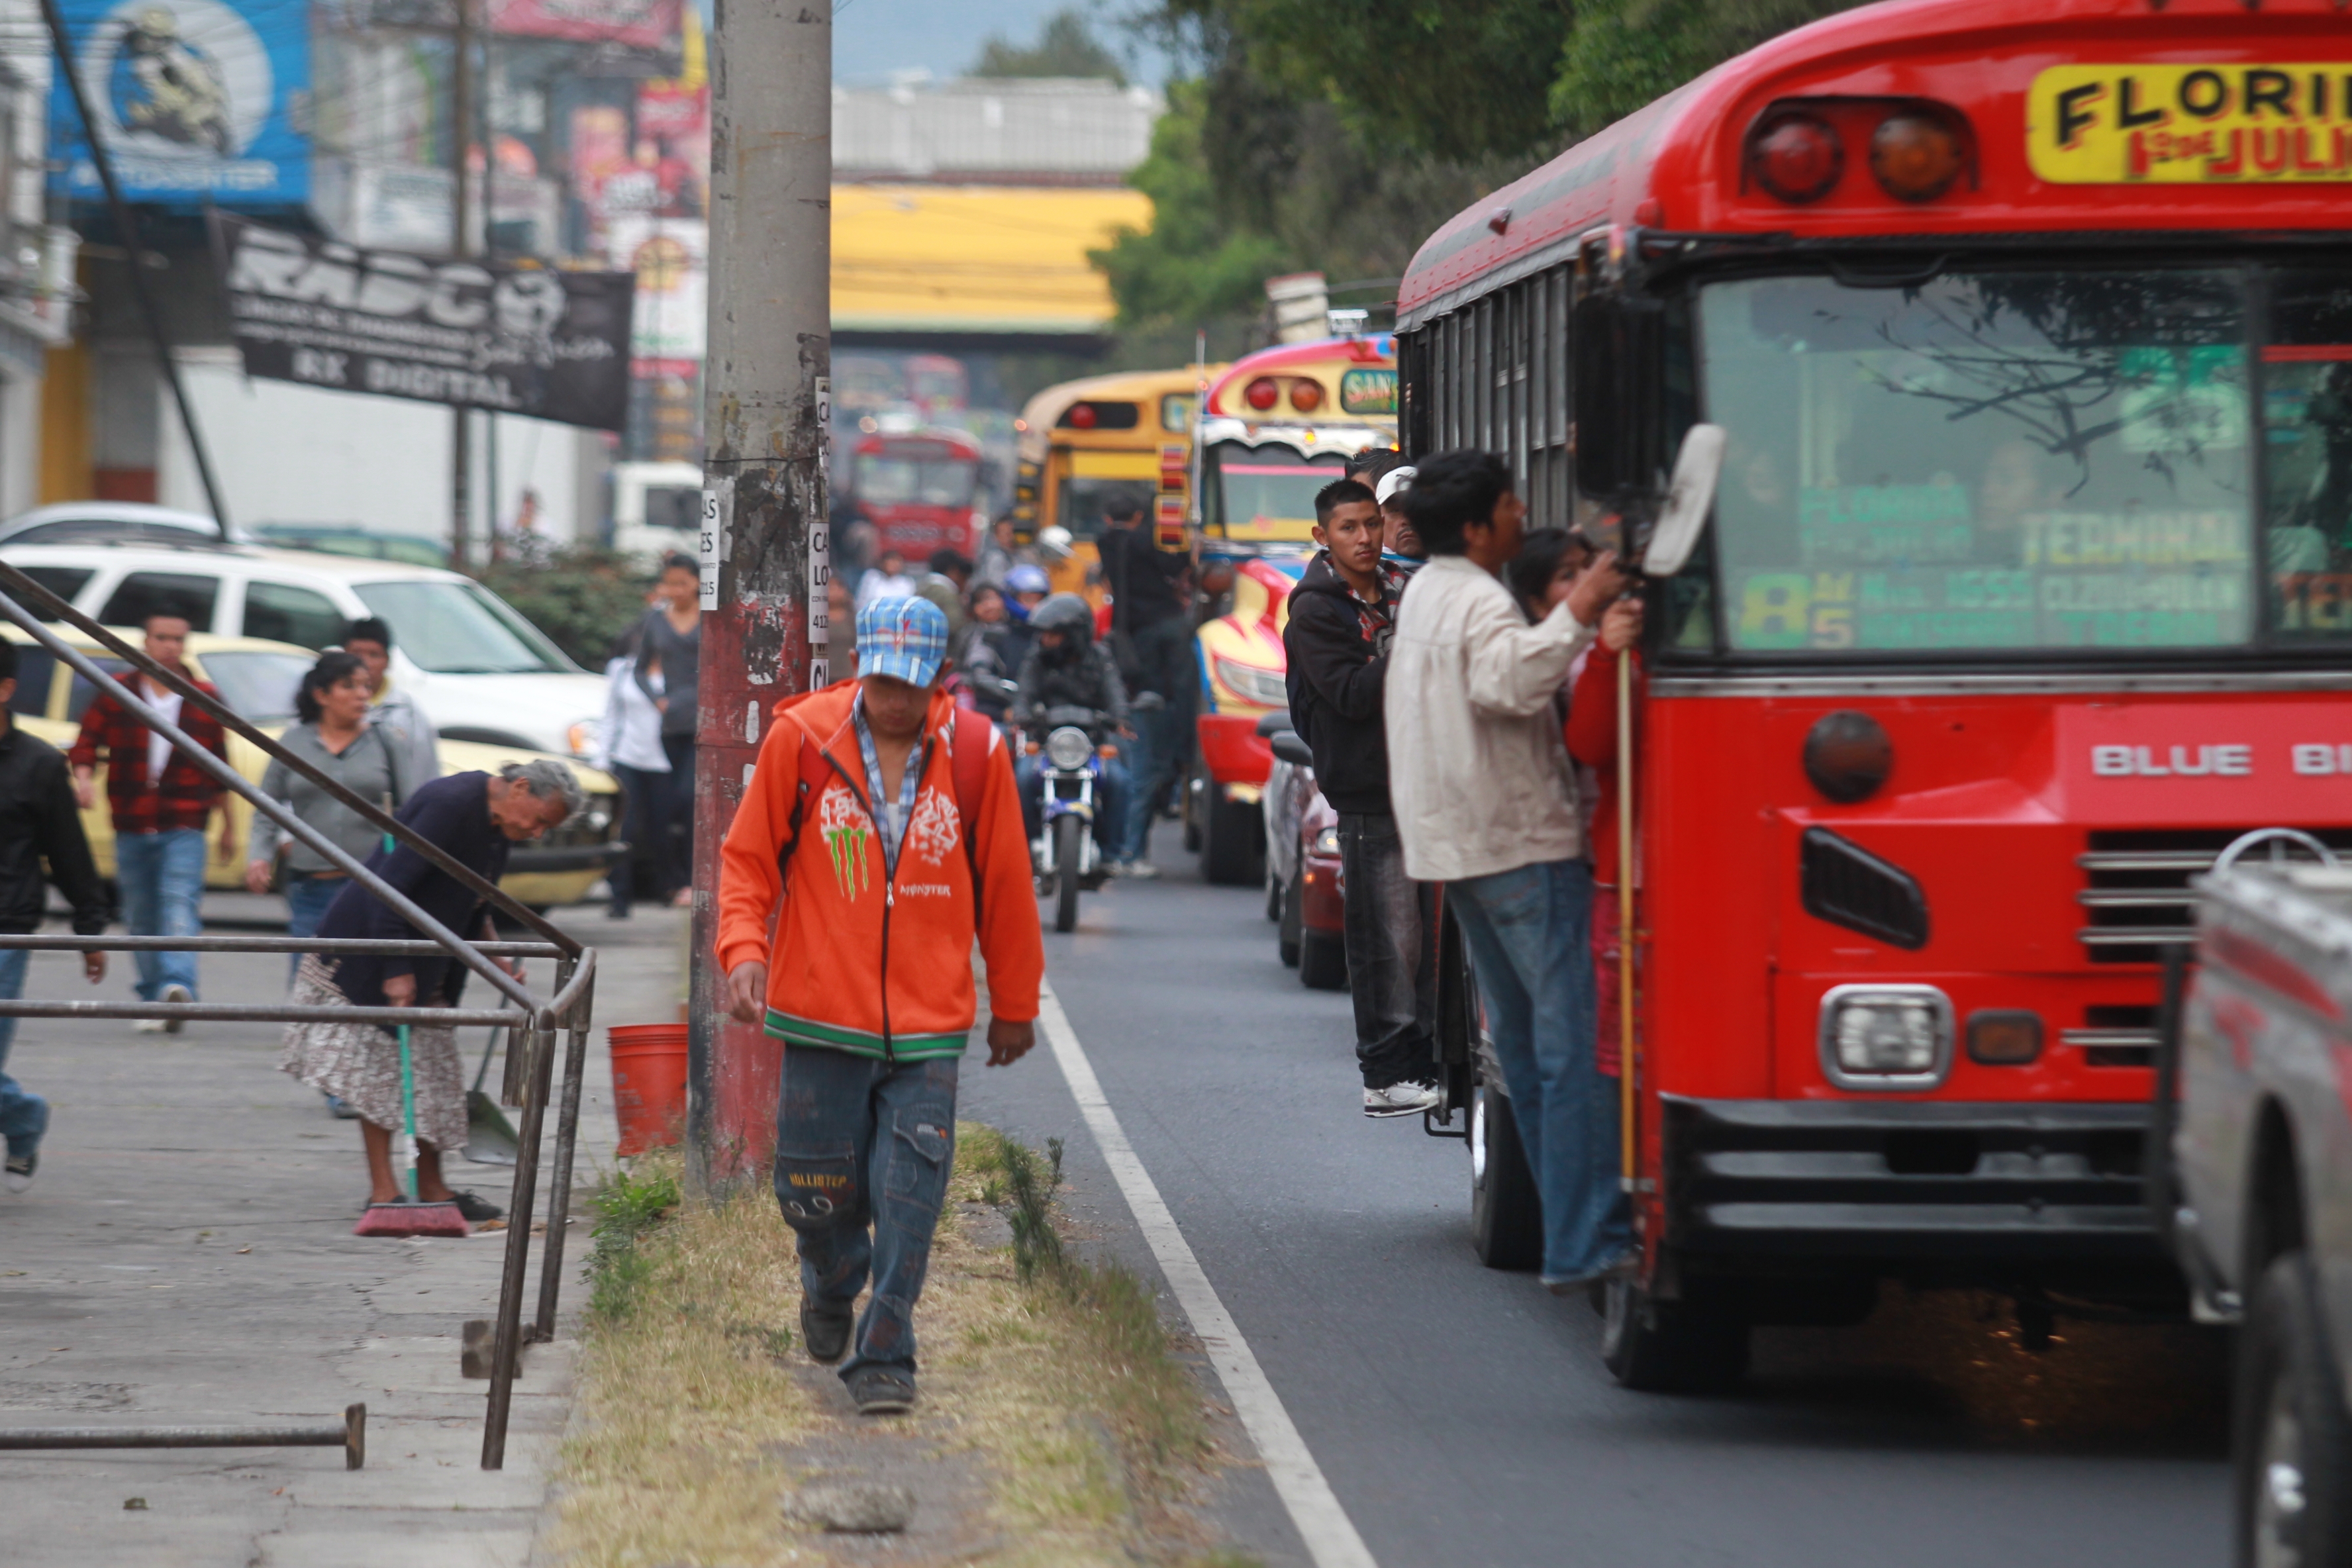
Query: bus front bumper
[(1907, 1186)]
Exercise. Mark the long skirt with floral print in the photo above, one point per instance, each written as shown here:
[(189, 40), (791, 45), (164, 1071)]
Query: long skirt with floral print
[(359, 1063)]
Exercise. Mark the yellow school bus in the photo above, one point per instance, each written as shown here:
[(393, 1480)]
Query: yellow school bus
[(1086, 444)]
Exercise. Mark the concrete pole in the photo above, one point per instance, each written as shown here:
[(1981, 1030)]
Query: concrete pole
[(461, 137), (767, 402)]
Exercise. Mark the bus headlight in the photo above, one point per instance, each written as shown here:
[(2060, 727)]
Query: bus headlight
[(1264, 688), (1886, 1036)]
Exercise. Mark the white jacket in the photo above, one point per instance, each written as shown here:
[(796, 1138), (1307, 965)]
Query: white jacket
[(1478, 771), (631, 731)]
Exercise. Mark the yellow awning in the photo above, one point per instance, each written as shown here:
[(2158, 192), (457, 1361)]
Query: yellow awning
[(974, 258)]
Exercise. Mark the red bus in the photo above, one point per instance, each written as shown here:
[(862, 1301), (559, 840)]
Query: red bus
[(919, 491), (2028, 586)]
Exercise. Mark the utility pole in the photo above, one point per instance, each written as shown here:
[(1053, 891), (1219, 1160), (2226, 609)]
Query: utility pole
[(767, 402), (461, 127)]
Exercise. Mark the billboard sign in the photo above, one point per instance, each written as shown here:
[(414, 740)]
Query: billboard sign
[(196, 100), (633, 24), (552, 345)]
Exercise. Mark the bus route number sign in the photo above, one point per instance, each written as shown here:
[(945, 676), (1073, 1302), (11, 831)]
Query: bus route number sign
[(2190, 124)]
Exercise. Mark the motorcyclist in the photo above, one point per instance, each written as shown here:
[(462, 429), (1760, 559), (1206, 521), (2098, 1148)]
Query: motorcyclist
[(1068, 669)]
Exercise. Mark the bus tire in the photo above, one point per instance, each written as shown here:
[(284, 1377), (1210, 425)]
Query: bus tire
[(1293, 926), (1322, 961), (1233, 840), (1669, 1347), (2290, 1441), (1505, 1216)]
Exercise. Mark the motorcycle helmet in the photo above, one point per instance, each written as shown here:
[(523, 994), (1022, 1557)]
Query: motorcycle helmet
[(1025, 578), (1054, 543), (1066, 613)]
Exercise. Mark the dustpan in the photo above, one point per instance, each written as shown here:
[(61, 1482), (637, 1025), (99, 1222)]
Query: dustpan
[(489, 1137)]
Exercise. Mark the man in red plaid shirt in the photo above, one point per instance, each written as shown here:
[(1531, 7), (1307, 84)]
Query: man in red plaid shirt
[(160, 801)]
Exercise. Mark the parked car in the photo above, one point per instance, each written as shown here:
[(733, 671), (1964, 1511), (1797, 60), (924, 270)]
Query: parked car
[(480, 671), (257, 678), (2257, 1193), (1310, 908), (112, 522)]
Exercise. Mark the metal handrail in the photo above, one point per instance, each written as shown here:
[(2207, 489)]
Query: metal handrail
[(227, 776), (24, 589), (381, 946)]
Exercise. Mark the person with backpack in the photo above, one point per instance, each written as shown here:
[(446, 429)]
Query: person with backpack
[(883, 819)]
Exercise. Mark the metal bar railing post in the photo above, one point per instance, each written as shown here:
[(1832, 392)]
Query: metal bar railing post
[(22, 591), (228, 777), (559, 1191), (507, 1349)]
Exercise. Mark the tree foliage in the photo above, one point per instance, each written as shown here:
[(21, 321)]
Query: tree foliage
[(1621, 54), (1065, 46), (583, 596)]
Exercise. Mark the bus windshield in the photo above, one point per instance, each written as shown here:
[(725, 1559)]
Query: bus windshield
[(889, 479), (1999, 460), (1267, 492)]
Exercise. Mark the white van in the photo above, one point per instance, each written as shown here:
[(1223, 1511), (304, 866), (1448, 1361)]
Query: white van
[(479, 671), (656, 509)]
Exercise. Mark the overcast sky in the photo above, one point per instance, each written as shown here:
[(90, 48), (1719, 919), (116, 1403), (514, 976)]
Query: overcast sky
[(872, 38)]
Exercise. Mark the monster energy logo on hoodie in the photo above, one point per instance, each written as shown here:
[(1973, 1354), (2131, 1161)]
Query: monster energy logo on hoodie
[(847, 831)]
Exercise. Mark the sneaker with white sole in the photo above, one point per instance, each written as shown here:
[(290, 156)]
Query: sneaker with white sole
[(147, 1026), (176, 992), (18, 1174), (1141, 870), (1401, 1100)]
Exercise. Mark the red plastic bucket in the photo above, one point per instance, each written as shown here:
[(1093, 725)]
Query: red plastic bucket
[(648, 1084)]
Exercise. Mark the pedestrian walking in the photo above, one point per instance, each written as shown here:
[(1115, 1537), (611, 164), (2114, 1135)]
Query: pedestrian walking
[(1342, 621), (944, 583), (475, 818), (629, 747), (1001, 555), (333, 735), (1152, 638), (160, 801), (39, 823), (1485, 803), (669, 655), (390, 710), (867, 980)]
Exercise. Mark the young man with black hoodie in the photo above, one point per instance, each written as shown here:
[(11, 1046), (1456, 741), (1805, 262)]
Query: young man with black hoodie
[(1342, 615)]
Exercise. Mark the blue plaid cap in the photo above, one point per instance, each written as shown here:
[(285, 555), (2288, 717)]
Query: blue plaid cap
[(905, 638)]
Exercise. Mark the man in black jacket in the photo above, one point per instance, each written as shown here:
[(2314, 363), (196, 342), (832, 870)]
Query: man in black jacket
[(38, 821), (1068, 669), (1342, 615)]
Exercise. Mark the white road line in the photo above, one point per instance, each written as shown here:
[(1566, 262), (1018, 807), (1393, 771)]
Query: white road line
[(1331, 1539)]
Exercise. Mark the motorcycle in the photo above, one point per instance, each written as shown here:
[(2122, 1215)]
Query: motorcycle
[(1066, 860)]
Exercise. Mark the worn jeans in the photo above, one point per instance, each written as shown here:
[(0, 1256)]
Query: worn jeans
[(862, 1152), (308, 900), (1386, 927), (23, 1115), (1530, 940), (162, 879)]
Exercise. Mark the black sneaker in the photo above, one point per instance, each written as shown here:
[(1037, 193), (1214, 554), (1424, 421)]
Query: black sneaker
[(476, 1211), (882, 1391), (20, 1169), (824, 1329)]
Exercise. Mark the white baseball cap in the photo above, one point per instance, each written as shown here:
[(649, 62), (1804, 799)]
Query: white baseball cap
[(1394, 481)]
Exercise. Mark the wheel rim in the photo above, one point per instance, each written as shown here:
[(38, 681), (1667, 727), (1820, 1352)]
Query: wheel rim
[(1478, 1142), (2279, 1498), (1616, 1316)]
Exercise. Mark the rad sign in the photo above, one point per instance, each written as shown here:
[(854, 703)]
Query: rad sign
[(197, 100), (552, 345)]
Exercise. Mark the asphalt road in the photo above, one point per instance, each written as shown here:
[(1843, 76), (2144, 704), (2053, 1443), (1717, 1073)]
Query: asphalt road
[(1463, 1415)]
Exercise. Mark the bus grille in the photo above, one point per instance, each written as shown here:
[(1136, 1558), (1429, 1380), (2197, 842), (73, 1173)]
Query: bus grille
[(2136, 891)]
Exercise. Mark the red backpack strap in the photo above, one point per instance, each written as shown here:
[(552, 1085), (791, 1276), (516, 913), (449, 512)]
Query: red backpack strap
[(972, 740), (815, 772)]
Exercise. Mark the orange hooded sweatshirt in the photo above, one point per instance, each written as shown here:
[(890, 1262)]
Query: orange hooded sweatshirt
[(863, 962)]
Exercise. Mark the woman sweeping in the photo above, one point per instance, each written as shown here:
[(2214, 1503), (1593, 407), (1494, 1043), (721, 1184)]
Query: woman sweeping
[(475, 818)]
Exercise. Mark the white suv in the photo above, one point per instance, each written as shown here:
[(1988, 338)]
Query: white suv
[(480, 671)]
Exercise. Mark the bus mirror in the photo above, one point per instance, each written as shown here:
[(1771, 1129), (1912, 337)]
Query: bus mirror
[(1688, 499)]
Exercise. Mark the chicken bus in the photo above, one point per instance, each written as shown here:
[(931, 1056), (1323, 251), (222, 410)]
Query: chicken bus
[(2027, 326), (1108, 440)]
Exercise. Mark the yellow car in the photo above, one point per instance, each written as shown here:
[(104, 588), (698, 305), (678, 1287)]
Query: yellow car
[(257, 678)]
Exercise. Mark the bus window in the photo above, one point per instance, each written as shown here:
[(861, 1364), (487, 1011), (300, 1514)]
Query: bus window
[(890, 480), (1176, 413), (1266, 492), (1085, 503), (2308, 451), (1997, 461)]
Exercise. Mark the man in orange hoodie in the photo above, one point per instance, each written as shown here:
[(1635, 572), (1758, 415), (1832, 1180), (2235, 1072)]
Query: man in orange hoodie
[(886, 821)]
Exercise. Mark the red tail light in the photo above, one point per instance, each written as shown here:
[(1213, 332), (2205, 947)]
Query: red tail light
[(1262, 393), (1916, 157), (1796, 157), (1081, 416), (1307, 396)]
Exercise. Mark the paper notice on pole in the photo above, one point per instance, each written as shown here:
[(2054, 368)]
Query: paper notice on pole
[(820, 611), (712, 527)]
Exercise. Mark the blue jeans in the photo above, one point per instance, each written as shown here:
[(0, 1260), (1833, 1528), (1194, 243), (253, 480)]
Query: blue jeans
[(1531, 936), (23, 1115), (863, 1153), (1111, 791), (308, 900), (162, 879), (1156, 757)]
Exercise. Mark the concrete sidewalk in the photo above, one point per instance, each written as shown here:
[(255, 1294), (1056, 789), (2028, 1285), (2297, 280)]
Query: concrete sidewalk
[(185, 1256)]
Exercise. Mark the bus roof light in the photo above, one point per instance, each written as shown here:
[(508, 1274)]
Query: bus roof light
[(1796, 157), (1262, 393), (1915, 156), (1306, 396), (1081, 416)]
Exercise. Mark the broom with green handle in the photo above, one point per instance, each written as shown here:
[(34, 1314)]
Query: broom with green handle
[(412, 1216)]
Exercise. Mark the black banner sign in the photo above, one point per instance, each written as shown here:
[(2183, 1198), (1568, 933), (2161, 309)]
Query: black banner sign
[(553, 346)]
